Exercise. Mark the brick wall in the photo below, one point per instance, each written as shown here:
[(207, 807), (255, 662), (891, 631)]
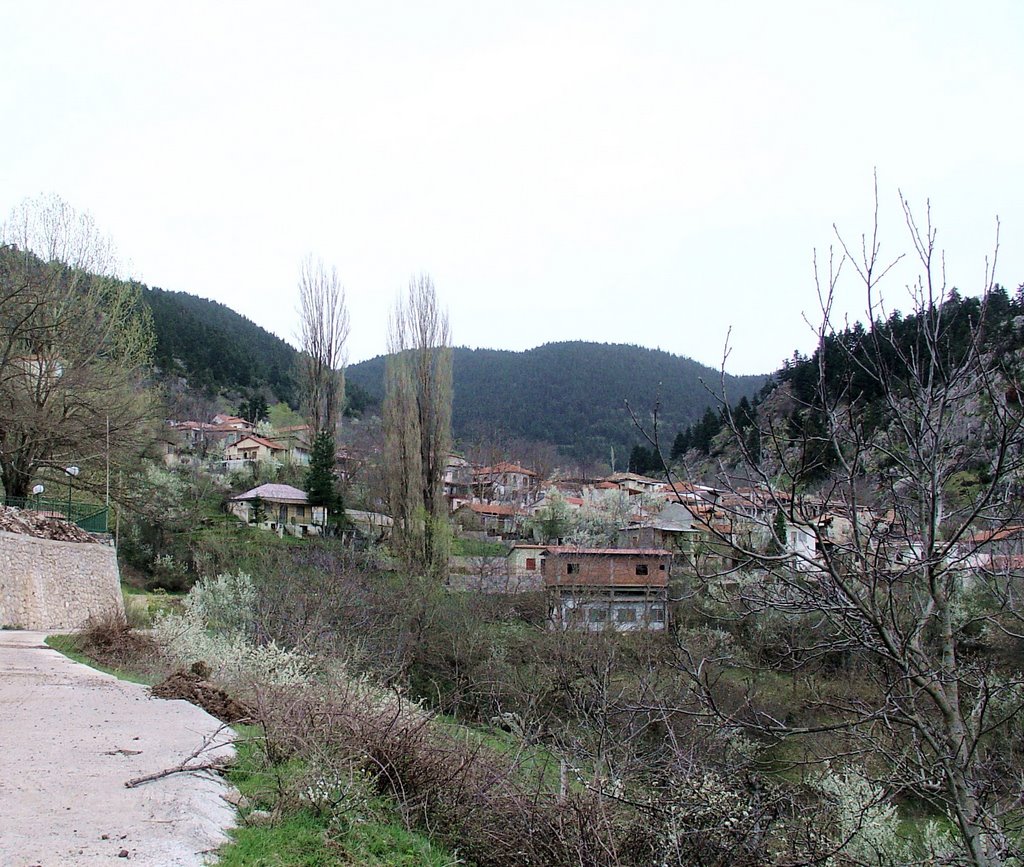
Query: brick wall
[(605, 570), (49, 585)]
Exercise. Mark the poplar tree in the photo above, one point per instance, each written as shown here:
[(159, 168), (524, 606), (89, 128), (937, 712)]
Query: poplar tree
[(417, 423), (323, 332)]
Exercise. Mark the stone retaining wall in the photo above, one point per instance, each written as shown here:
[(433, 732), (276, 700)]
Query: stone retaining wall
[(49, 585)]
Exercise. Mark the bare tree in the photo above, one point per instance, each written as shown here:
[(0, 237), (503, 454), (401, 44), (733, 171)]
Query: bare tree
[(882, 568), (417, 422), (49, 230), (75, 345), (324, 329)]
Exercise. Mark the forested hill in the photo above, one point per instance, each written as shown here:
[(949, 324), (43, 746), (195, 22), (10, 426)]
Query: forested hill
[(572, 394), (881, 369), (217, 348), (568, 394)]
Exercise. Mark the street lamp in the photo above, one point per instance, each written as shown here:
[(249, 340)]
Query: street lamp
[(72, 474), (38, 491)]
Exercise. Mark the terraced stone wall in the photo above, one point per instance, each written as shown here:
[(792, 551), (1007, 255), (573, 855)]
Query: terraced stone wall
[(50, 585)]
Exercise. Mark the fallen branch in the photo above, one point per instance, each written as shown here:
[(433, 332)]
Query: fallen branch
[(183, 768), (189, 765)]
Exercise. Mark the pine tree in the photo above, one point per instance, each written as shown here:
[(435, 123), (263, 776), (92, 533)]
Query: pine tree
[(321, 478), (777, 543), (681, 444)]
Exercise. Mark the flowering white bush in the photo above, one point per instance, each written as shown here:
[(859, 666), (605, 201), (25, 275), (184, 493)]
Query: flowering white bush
[(706, 815), (349, 790), (216, 628), (226, 603), (867, 824)]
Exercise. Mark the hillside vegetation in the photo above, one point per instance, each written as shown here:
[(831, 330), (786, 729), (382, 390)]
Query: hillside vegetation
[(216, 348), (572, 394), (849, 368)]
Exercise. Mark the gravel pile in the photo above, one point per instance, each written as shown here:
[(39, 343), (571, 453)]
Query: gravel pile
[(42, 525)]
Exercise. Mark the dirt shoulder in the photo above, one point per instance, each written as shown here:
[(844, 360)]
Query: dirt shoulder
[(71, 738)]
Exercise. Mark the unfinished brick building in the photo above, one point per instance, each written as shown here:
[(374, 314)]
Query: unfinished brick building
[(607, 588)]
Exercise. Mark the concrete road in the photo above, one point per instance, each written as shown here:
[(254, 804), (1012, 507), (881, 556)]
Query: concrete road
[(70, 737)]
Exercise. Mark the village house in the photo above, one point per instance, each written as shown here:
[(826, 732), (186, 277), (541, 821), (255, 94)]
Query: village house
[(594, 589), (995, 550), (376, 527), (524, 561), (633, 483), (296, 440), (491, 519), (458, 481), (280, 508), (200, 435), (671, 527), (504, 483), (235, 422), (601, 492), (551, 498), (348, 463), (253, 449)]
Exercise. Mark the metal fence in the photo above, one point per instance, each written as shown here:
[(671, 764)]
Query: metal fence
[(89, 516)]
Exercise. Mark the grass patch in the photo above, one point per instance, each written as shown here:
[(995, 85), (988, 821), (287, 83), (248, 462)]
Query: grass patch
[(537, 764), (70, 646), (305, 839), (478, 548), (366, 832), (142, 607)]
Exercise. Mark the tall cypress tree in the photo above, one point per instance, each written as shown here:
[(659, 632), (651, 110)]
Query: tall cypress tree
[(321, 478)]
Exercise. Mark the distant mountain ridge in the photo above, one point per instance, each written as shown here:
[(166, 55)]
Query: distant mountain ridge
[(573, 394)]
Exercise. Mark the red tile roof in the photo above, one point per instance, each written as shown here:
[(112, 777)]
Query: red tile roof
[(997, 535), (489, 509)]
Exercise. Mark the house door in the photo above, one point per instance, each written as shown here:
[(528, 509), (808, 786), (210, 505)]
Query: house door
[(282, 514)]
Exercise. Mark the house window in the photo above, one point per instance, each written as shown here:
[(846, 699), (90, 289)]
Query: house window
[(300, 511), (625, 615), (597, 615), (657, 613), (641, 568), (531, 564), (572, 568)]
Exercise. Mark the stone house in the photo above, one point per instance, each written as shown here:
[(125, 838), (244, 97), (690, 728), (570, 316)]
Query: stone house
[(504, 483), (458, 481), (296, 440), (493, 519), (285, 510)]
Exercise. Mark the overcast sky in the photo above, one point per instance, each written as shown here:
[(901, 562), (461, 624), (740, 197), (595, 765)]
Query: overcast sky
[(649, 173)]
